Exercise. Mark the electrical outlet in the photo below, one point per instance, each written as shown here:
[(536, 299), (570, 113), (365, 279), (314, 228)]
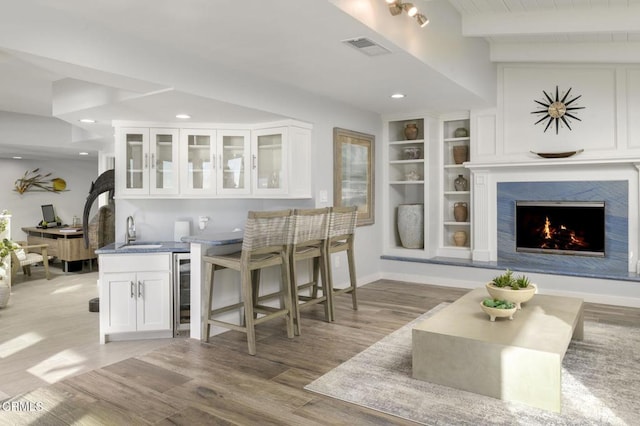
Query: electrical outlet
[(336, 261), (324, 196)]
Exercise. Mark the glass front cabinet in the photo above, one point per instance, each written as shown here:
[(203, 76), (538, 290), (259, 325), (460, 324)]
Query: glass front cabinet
[(198, 161), (268, 161), (148, 161), (158, 162)]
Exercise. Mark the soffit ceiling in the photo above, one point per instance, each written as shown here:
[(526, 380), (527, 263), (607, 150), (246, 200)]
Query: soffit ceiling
[(219, 60)]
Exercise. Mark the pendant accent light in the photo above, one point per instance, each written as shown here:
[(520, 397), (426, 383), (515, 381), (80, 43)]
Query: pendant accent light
[(397, 6)]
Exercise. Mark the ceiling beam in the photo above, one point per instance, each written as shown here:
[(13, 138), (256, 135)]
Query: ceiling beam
[(558, 21), (612, 52)]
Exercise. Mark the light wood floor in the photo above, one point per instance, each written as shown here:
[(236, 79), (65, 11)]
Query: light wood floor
[(47, 332), (192, 383)]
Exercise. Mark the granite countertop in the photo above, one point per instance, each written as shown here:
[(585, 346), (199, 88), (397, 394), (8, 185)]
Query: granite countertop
[(216, 238), (145, 247)]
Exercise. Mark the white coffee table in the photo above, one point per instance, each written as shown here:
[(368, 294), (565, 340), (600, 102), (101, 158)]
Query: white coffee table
[(514, 360)]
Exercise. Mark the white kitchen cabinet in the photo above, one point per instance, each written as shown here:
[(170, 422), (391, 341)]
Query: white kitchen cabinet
[(271, 160), (146, 161), (234, 151), (135, 296), (268, 161), (198, 161)]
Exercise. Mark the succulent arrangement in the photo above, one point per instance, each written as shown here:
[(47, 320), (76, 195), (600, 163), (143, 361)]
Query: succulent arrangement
[(498, 304), (508, 280)]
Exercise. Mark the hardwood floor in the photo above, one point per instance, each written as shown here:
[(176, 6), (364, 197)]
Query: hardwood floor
[(47, 332), (189, 382)]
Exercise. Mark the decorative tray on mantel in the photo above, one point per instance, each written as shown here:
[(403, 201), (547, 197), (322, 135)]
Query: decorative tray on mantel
[(557, 154)]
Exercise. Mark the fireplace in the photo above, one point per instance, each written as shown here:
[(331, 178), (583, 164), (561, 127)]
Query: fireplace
[(613, 194), (561, 227)]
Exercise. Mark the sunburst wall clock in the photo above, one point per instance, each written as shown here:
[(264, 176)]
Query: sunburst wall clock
[(557, 110)]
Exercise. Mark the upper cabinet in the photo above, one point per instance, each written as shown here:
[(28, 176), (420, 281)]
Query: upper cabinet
[(146, 161), (269, 160), (213, 161), (197, 161)]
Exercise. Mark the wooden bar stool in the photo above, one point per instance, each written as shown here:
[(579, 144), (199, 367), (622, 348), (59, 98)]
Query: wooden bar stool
[(310, 232), (342, 229), (266, 241)]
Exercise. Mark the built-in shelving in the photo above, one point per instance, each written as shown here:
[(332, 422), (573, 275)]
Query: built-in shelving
[(455, 148)]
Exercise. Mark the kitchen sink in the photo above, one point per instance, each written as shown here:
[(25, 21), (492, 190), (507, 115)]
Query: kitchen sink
[(140, 246)]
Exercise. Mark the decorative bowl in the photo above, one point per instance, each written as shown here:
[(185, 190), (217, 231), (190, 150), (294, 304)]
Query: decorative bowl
[(498, 313), (514, 296)]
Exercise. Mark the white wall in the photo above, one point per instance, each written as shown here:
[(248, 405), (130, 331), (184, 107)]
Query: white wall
[(25, 208)]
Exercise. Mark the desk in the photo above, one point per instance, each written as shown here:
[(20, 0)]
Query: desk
[(519, 360), (66, 246)]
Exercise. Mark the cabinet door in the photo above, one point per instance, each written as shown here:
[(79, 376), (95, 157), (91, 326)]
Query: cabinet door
[(233, 154), (133, 161), (163, 173), (197, 158), (154, 309), (118, 303), (268, 163)]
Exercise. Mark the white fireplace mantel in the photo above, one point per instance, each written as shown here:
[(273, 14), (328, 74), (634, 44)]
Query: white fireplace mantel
[(554, 162), (485, 177)]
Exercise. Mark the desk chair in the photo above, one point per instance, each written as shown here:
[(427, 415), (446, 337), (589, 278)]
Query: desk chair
[(310, 232), (266, 241), (342, 228)]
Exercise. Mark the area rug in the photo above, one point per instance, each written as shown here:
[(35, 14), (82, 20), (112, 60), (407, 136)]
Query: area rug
[(600, 384)]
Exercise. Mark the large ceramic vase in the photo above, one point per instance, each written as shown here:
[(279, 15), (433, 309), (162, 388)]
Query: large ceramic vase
[(411, 225), (510, 295), (460, 212)]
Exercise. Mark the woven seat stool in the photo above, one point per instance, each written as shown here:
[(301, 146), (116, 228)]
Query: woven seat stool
[(310, 233), (266, 241), (342, 229)]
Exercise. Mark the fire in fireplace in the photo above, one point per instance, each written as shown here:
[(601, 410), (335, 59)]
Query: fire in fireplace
[(560, 227)]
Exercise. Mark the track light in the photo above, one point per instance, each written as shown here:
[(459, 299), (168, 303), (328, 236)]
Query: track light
[(422, 20), (410, 9), (396, 7)]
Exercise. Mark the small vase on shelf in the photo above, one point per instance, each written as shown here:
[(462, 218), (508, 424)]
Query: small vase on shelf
[(460, 238), (460, 154), (460, 212), (411, 131), (460, 132), (461, 183)]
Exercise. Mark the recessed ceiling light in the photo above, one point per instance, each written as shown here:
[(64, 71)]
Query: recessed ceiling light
[(87, 120), (83, 153), (397, 96), (16, 157), (184, 116)]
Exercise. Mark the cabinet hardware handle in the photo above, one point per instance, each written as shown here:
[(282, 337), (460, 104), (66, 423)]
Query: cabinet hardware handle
[(153, 161), (133, 292), (253, 164), (139, 289), (220, 161), (146, 161)]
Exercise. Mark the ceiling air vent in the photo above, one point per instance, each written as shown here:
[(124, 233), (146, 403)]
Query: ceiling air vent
[(367, 46)]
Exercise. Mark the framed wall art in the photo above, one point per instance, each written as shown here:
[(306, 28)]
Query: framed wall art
[(353, 172)]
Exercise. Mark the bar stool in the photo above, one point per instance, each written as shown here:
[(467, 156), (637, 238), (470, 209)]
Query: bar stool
[(266, 241), (342, 228), (310, 231)]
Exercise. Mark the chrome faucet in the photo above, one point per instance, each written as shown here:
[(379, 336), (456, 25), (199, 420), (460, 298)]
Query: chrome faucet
[(130, 235)]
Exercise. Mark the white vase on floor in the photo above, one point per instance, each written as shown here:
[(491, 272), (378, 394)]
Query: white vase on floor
[(411, 225)]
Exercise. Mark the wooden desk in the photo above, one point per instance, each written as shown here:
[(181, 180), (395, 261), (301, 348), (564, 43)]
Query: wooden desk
[(66, 246)]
